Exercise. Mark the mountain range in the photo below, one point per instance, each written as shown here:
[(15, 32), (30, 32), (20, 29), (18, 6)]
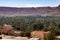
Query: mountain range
[(30, 11)]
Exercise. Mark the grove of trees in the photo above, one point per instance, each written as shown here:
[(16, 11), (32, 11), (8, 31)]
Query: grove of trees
[(31, 23)]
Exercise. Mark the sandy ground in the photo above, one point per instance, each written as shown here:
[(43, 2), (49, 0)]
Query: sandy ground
[(5, 37), (9, 39), (13, 39)]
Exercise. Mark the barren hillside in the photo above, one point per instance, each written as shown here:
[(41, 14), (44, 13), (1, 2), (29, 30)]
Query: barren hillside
[(30, 11)]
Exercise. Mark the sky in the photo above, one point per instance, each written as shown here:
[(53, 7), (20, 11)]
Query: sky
[(29, 3)]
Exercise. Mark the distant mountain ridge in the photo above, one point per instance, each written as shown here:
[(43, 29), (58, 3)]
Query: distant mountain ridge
[(30, 11)]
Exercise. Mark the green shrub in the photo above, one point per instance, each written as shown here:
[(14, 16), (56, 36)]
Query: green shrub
[(50, 36)]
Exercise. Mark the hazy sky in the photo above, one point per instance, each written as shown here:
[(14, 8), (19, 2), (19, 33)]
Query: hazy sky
[(29, 3)]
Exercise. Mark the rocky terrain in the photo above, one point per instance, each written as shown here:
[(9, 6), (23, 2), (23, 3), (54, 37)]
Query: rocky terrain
[(30, 11)]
